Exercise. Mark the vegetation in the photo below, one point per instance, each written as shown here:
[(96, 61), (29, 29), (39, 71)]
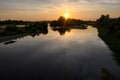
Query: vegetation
[(110, 25), (36, 27), (11, 30), (66, 22), (109, 31), (14, 22), (61, 30)]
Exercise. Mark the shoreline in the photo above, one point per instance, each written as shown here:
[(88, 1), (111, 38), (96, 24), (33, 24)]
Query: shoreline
[(112, 42), (8, 38)]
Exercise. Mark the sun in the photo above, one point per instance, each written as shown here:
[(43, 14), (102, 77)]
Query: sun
[(66, 15)]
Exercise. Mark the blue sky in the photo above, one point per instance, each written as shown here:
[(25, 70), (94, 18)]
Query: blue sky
[(52, 9)]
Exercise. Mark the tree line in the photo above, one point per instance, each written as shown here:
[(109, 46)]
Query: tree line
[(66, 22), (110, 25), (109, 32), (36, 27), (15, 22)]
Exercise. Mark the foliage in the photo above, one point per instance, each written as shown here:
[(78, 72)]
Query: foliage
[(10, 30), (109, 32), (66, 22), (14, 22), (36, 27), (61, 30), (111, 25)]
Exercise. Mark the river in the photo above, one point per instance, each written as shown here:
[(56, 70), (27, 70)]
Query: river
[(74, 54)]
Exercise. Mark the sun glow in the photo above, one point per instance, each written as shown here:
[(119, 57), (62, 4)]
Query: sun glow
[(66, 15)]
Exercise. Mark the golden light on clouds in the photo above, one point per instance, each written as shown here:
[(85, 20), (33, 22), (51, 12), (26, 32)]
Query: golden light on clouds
[(48, 10)]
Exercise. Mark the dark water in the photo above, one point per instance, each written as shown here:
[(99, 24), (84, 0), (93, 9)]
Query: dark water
[(70, 55)]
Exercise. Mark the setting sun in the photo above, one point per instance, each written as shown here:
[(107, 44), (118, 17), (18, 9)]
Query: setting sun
[(66, 15)]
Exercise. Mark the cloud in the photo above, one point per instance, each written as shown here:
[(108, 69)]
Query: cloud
[(57, 6), (102, 2)]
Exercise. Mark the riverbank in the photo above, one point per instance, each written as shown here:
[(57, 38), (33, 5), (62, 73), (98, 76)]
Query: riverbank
[(112, 42), (13, 37)]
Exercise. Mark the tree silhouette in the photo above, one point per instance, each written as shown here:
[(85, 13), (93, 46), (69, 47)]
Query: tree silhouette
[(61, 21), (66, 22)]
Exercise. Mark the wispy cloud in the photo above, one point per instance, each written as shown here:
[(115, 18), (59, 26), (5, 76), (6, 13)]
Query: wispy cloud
[(54, 7)]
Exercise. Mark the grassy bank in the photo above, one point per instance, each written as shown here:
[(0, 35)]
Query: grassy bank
[(112, 42)]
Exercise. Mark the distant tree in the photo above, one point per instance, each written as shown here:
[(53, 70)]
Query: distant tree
[(54, 23), (66, 22), (11, 30), (61, 21)]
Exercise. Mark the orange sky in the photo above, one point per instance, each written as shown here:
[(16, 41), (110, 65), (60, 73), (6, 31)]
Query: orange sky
[(35, 10)]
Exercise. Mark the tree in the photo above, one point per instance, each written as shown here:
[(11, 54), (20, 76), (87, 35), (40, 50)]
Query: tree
[(61, 21)]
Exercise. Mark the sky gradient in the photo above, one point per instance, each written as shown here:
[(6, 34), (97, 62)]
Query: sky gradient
[(35, 10)]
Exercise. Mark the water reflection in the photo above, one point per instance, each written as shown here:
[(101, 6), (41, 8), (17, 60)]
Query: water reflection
[(33, 30), (78, 55), (11, 32), (106, 75), (9, 42), (61, 30), (116, 57)]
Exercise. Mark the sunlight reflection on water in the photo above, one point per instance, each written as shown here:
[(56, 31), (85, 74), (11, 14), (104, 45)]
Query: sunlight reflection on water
[(76, 55)]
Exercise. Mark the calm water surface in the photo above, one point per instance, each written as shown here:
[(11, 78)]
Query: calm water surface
[(72, 55)]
